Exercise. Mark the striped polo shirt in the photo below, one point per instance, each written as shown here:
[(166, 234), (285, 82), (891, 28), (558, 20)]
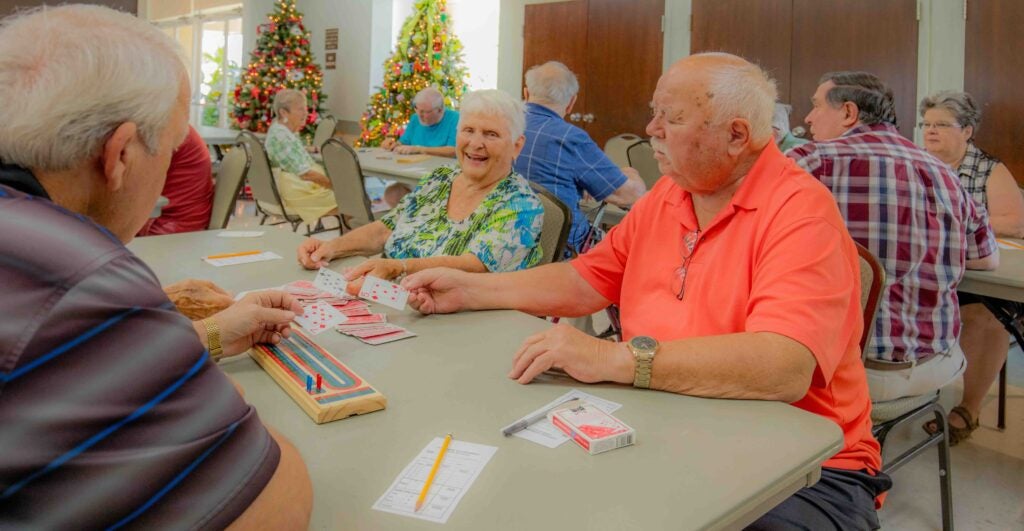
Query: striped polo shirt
[(112, 413)]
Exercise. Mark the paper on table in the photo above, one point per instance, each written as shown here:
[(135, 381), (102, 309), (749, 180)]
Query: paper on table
[(240, 233), (249, 258), (460, 467), (544, 434)]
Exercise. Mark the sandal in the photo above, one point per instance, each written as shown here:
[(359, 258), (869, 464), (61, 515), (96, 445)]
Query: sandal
[(956, 435)]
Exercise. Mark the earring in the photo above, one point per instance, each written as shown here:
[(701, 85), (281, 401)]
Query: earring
[(284, 119)]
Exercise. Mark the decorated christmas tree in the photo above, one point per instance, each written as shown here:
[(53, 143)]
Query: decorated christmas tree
[(427, 53), (282, 59)]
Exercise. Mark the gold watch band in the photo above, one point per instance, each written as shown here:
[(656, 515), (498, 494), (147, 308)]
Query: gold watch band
[(213, 338)]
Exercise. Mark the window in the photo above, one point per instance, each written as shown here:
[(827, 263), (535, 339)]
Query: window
[(210, 35)]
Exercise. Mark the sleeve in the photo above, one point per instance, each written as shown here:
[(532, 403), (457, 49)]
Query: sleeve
[(124, 413), (604, 265), (803, 287), (288, 154), (598, 175), (407, 135), (980, 238), (509, 239)]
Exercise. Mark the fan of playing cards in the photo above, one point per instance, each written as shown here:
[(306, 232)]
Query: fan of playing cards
[(328, 306)]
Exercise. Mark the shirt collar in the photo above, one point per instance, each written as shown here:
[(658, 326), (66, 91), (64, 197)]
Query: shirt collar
[(540, 109), (22, 180), (876, 128)]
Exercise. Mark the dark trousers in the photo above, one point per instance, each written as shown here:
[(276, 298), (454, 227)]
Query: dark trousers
[(842, 500)]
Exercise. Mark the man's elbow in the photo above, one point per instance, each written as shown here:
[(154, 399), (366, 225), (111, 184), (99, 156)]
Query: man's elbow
[(987, 263), (287, 500)]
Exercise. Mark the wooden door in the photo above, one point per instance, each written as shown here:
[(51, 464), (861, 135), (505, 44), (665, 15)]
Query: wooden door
[(877, 36), (613, 46), (994, 75), (557, 32), (759, 30), (624, 46)]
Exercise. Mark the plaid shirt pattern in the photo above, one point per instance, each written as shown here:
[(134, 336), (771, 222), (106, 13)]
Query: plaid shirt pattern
[(910, 210), (974, 171)]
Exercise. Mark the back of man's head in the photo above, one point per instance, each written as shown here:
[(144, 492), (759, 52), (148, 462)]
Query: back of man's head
[(873, 98), (551, 83), (72, 74)]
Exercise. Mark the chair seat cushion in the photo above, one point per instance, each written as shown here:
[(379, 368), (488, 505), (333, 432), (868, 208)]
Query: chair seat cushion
[(890, 409)]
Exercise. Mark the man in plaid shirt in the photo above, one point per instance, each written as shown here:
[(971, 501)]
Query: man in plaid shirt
[(910, 210)]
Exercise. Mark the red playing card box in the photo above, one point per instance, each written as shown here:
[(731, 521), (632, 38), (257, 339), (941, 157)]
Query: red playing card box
[(592, 429)]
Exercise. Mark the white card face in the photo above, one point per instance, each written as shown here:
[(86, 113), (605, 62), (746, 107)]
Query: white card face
[(331, 282), (319, 317), (384, 292)]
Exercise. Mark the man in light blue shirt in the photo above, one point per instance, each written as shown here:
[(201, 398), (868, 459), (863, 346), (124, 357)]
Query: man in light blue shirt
[(431, 130), (562, 157)]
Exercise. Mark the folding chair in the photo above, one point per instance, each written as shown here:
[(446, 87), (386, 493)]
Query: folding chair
[(342, 165), (233, 168)]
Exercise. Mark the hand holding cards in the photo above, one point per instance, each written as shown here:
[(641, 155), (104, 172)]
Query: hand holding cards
[(384, 292)]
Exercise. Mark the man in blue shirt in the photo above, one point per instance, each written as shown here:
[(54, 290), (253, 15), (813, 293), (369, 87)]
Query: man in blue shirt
[(562, 157), (431, 130)]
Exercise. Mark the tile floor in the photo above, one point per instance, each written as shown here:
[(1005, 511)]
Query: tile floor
[(988, 469)]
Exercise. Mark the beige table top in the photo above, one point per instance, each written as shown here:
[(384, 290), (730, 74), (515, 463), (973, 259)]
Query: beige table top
[(1005, 282), (385, 164), (697, 463)]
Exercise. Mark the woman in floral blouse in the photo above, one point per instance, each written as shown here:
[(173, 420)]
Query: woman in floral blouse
[(480, 216), (304, 188)]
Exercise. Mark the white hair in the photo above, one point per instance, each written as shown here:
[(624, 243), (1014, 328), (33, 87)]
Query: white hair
[(551, 83), (429, 95), (286, 98), (72, 74), (740, 89), (495, 102)]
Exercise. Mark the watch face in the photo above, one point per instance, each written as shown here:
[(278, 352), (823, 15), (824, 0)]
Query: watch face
[(643, 343)]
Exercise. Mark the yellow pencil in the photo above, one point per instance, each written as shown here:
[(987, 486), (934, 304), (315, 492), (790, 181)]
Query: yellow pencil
[(1009, 243), (433, 472), (232, 255)]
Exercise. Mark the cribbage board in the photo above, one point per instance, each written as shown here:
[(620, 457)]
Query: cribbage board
[(343, 393)]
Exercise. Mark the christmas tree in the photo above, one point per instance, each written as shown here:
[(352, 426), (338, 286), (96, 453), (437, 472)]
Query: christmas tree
[(282, 59), (427, 53)]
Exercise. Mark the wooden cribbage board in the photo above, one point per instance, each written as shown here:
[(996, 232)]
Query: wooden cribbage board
[(344, 392)]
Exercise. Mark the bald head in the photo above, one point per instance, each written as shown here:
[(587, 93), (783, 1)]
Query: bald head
[(551, 84)]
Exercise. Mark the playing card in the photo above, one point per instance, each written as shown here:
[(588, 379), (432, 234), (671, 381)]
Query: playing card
[(301, 288), (384, 292), (372, 331), (359, 311), (387, 338), (331, 282), (372, 318), (319, 317)]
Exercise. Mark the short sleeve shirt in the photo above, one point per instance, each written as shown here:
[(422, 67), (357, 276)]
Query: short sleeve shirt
[(776, 259), (112, 412), (503, 232), (566, 162), (440, 134), (974, 172), (286, 150)]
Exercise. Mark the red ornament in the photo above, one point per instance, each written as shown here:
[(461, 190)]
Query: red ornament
[(255, 92)]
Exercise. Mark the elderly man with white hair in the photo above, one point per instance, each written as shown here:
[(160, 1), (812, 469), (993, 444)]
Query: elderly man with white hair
[(736, 278), (562, 157), (113, 412), (431, 130)]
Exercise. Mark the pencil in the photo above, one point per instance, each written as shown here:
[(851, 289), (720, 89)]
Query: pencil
[(232, 255), (1010, 243), (433, 472)]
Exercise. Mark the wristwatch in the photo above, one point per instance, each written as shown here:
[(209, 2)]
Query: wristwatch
[(213, 338), (643, 349)]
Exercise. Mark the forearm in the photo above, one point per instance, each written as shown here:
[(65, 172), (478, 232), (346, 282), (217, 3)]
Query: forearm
[(441, 151), (530, 291), (363, 241), (316, 177), (987, 263), (628, 193), (757, 366), (467, 262), (1008, 226)]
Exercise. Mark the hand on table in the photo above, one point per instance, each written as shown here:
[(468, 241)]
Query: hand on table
[(436, 290), (407, 150), (198, 299), (389, 144), (260, 317), (383, 268), (583, 357), (314, 253)]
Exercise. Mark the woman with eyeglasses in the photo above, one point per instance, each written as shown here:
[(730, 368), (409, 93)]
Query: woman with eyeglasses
[(949, 121)]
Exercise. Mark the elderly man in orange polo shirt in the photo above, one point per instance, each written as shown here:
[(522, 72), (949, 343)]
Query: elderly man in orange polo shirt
[(736, 278)]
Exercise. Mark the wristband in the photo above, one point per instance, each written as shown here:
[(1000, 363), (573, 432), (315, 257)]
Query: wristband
[(213, 338)]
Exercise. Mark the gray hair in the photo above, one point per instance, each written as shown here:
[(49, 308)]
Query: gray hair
[(74, 73), (551, 83), (741, 89), (429, 95), (960, 104), (286, 99), (780, 120), (873, 98), (495, 102)]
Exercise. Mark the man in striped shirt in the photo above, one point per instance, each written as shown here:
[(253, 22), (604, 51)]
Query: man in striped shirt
[(561, 157), (910, 210), (113, 414)]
